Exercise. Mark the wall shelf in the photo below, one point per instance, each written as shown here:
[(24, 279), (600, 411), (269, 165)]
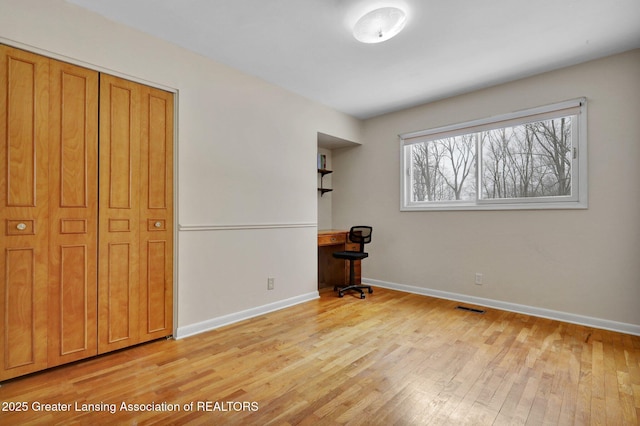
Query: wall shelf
[(323, 173)]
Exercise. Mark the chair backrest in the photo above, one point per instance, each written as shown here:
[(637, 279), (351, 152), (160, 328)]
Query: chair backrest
[(360, 235)]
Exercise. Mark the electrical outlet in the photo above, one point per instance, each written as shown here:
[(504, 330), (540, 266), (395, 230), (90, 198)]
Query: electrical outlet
[(271, 282), (478, 278)]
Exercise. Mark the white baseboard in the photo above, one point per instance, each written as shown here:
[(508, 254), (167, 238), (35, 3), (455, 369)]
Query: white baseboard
[(513, 307), (604, 324), (211, 324)]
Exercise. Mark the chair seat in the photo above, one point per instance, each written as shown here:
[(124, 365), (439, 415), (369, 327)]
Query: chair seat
[(350, 255)]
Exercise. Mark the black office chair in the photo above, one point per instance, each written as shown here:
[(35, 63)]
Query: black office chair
[(360, 235)]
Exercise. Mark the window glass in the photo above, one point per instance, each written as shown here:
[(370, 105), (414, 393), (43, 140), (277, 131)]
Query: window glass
[(530, 160)]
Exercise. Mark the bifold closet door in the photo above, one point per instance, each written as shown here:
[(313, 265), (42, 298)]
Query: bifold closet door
[(24, 214), (48, 210), (156, 215), (135, 272), (73, 210), (86, 213)]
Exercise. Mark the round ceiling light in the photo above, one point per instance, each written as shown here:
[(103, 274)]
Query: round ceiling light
[(379, 25)]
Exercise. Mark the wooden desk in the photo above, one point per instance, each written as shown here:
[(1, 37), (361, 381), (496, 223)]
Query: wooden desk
[(332, 271)]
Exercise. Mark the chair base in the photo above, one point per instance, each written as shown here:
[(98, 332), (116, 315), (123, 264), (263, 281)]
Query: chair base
[(358, 288)]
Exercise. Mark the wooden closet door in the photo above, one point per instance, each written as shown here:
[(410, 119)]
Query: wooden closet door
[(24, 107), (135, 284), (156, 215), (73, 209), (119, 213)]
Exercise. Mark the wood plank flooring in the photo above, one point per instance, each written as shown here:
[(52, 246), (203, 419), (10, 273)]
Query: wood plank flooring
[(391, 359)]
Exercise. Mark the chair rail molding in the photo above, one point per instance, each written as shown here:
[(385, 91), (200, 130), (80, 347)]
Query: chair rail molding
[(244, 226)]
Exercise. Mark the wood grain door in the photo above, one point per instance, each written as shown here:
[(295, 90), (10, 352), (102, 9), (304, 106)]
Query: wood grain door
[(24, 107), (73, 210), (156, 215), (119, 213), (135, 272)]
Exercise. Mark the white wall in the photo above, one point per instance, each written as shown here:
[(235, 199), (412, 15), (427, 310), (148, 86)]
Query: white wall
[(581, 262), (246, 159)]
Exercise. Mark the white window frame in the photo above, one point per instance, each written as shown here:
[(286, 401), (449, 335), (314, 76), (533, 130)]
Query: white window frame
[(579, 191)]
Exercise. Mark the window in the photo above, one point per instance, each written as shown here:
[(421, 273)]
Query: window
[(533, 159)]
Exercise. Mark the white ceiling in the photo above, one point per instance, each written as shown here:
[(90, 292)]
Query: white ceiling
[(448, 47)]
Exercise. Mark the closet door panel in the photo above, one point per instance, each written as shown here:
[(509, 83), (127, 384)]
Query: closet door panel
[(73, 201), (122, 143), (22, 117), (23, 212), (119, 246), (121, 290), (156, 215)]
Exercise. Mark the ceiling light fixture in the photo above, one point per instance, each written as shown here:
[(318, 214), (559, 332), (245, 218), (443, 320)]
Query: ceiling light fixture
[(379, 25)]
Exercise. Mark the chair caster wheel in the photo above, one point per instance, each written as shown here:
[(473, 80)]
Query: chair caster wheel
[(370, 290), (340, 295), (361, 295)]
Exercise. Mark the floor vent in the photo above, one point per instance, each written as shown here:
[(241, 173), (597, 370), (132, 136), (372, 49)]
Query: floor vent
[(465, 308)]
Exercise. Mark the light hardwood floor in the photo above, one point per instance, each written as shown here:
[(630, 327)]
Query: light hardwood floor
[(391, 359)]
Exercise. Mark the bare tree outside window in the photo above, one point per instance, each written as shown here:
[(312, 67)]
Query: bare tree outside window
[(530, 160), (444, 169), (524, 161)]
